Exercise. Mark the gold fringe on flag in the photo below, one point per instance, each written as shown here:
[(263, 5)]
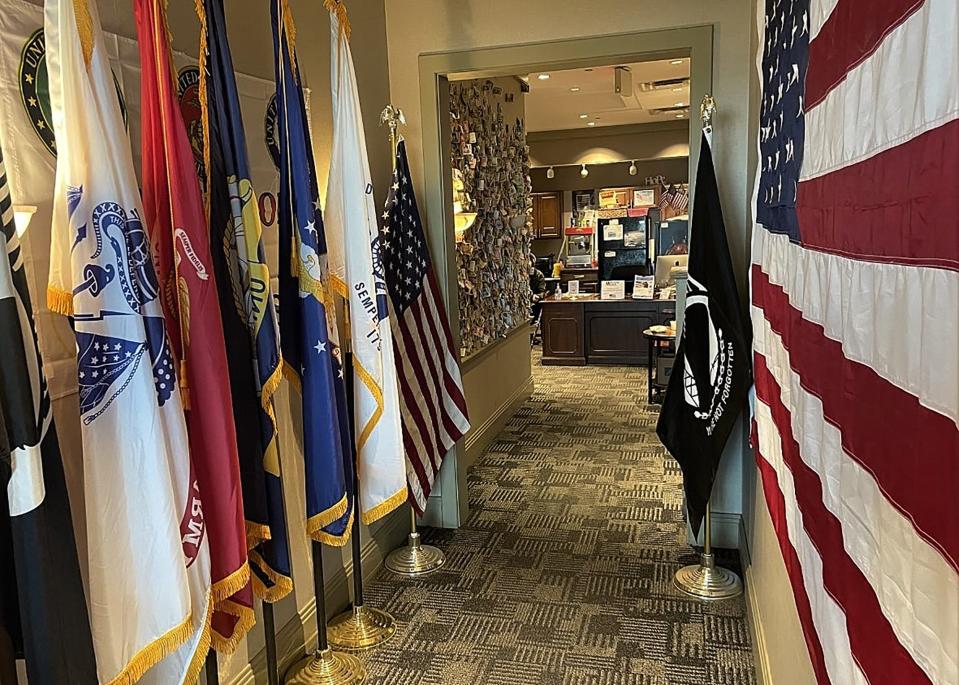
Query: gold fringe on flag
[(59, 301), (153, 653), (84, 21), (338, 8)]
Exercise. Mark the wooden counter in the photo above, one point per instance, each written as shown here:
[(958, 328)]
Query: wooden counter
[(588, 330)]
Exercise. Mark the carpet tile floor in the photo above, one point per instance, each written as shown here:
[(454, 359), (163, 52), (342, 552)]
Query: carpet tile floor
[(562, 573)]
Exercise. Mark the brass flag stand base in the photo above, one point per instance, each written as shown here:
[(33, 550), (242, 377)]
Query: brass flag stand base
[(705, 580), (415, 559), (360, 628), (326, 667)]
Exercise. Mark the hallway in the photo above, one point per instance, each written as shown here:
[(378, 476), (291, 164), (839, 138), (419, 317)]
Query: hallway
[(562, 574)]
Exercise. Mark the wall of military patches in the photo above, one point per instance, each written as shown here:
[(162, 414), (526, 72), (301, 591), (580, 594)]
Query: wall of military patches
[(490, 155)]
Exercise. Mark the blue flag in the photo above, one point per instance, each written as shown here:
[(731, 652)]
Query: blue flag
[(310, 347), (246, 306)]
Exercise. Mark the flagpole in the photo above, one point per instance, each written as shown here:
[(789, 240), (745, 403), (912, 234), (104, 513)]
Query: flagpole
[(705, 580), (414, 559), (361, 627)]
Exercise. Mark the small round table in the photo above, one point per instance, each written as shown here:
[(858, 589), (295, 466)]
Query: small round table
[(658, 343)]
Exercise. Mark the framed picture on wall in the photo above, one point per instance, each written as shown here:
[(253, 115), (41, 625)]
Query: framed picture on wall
[(645, 197), (583, 199)]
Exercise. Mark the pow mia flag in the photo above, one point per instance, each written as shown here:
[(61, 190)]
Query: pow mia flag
[(712, 372)]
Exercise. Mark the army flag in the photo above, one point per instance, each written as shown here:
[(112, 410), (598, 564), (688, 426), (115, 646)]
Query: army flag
[(53, 624), (176, 223), (311, 350), (246, 306), (357, 274), (147, 554)]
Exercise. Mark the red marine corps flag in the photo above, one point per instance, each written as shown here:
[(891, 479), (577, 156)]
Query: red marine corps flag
[(176, 220)]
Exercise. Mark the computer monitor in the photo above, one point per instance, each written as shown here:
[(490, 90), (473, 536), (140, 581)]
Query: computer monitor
[(664, 268)]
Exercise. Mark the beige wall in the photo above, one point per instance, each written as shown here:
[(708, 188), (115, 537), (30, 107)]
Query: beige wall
[(430, 26)]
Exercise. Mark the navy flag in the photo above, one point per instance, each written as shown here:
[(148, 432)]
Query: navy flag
[(712, 370), (39, 567), (311, 351), (246, 306)]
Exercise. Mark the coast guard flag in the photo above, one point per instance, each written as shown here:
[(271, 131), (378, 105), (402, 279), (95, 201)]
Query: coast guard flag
[(855, 310), (432, 402), (176, 224), (147, 554), (356, 268), (38, 554), (711, 374), (246, 306), (311, 350)]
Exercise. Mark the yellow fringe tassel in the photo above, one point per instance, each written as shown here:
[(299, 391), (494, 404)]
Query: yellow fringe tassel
[(246, 621), (338, 8), (229, 586), (318, 521), (59, 301), (202, 648), (153, 653), (282, 585), (335, 540), (256, 533), (204, 106), (384, 508), (184, 386), (84, 28)]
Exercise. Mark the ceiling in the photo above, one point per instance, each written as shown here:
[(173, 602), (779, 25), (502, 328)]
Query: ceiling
[(555, 104)]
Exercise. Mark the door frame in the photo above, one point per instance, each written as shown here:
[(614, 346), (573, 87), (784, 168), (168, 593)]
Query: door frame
[(449, 503)]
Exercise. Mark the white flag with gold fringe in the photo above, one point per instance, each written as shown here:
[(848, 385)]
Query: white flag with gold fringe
[(147, 555), (357, 273)]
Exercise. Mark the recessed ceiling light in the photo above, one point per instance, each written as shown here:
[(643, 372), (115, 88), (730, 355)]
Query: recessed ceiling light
[(680, 104), (677, 90), (676, 61), (584, 116), (543, 77), (680, 116), (574, 89), (590, 69), (590, 123)]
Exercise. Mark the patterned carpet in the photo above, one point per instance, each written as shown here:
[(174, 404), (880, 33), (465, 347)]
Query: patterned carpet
[(562, 574)]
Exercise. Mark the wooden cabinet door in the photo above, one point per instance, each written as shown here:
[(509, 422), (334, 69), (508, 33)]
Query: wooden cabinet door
[(562, 327), (550, 216)]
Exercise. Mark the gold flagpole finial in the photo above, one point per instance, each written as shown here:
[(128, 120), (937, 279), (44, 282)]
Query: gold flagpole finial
[(339, 9), (392, 117), (706, 111)]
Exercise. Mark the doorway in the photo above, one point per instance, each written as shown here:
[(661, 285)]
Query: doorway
[(438, 73)]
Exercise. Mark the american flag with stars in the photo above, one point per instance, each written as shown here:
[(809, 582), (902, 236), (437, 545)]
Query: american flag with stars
[(855, 310), (432, 402)]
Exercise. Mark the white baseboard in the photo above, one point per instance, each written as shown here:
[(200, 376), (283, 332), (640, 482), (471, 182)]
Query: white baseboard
[(757, 633), (480, 437), (299, 634)]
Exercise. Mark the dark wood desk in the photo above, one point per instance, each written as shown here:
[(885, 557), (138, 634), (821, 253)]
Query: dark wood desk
[(588, 330)]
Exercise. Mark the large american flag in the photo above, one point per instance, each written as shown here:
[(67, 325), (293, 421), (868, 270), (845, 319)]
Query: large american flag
[(855, 303), (432, 402)]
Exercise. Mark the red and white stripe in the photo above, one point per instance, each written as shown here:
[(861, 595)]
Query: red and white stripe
[(432, 402), (856, 347)]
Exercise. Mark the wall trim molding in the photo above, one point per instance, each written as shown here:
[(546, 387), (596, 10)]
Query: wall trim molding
[(299, 633), (757, 633), (480, 437)]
